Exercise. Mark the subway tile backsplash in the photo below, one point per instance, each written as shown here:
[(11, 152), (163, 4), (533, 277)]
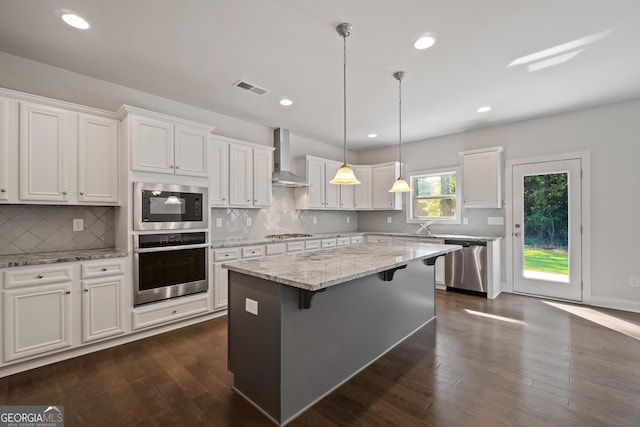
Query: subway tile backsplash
[(36, 228), (281, 217)]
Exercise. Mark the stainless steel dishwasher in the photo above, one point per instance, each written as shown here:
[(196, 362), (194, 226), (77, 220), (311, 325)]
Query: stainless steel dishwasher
[(466, 269)]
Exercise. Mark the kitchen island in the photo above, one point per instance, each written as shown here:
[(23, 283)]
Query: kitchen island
[(300, 325)]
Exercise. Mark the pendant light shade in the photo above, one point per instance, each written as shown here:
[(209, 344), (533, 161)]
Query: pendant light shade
[(345, 175), (401, 185)]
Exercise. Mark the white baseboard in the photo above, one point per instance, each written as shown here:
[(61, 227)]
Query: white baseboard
[(618, 304)]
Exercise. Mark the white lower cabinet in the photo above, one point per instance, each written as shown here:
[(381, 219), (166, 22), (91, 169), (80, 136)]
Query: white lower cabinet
[(220, 277), (170, 311), (102, 300), (37, 319)]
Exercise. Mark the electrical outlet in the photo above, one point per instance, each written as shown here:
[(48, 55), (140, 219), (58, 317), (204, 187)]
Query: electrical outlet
[(348, 220), (315, 220), (248, 222), (465, 221), (251, 306), (218, 222), (634, 282), (389, 220), (495, 220), (78, 224)]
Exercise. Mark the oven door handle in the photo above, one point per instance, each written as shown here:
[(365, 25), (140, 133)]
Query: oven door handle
[(169, 248)]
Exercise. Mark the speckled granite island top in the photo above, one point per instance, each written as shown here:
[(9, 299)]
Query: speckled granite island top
[(41, 258), (321, 269)]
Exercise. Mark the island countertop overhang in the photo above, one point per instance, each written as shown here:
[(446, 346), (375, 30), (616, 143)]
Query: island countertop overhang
[(321, 269)]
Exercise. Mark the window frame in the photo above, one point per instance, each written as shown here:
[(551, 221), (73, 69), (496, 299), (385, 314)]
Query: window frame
[(457, 218)]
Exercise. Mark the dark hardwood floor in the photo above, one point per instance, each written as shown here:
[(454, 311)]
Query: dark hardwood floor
[(551, 368)]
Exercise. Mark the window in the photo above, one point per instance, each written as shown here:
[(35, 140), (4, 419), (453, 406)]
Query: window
[(435, 197)]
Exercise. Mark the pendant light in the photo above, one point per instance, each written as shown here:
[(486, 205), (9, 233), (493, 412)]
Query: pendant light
[(345, 175), (400, 186)]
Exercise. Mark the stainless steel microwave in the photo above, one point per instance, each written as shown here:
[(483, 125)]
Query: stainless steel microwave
[(169, 207)]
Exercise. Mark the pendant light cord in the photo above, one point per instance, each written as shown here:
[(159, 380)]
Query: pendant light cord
[(400, 123), (344, 90)]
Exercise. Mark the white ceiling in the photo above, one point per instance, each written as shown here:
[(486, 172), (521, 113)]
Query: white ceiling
[(194, 50)]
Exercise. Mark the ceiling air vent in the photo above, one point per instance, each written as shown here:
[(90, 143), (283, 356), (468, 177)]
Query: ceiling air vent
[(250, 87)]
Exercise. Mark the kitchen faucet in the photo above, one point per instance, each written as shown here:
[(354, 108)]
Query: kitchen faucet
[(426, 226)]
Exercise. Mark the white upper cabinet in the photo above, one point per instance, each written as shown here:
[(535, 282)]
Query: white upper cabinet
[(482, 178), (98, 159), (162, 145), (241, 175), (347, 195), (250, 170), (5, 188), (262, 172), (383, 177), (321, 194), (45, 134), (190, 151), (218, 172), (362, 193)]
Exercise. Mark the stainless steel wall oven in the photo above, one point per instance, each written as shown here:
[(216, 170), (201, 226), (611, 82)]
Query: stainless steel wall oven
[(169, 265)]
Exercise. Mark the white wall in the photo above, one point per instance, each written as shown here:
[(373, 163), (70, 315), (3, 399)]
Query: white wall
[(39, 79), (612, 134)]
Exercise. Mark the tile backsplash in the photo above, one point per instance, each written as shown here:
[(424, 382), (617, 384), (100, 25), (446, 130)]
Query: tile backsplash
[(477, 218), (281, 217), (36, 228)]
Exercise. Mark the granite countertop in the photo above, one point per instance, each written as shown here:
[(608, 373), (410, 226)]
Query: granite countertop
[(19, 260), (229, 243), (437, 236), (324, 268)]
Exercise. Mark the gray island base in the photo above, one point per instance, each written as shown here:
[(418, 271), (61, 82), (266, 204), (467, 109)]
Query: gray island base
[(301, 325)]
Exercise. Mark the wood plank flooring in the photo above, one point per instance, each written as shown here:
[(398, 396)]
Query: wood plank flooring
[(556, 369)]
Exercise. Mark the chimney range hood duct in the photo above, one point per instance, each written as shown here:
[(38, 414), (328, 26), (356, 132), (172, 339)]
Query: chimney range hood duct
[(282, 174)]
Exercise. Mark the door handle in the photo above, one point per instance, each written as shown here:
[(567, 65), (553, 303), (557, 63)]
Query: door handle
[(516, 234)]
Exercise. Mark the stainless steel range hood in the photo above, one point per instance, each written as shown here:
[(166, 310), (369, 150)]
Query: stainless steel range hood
[(282, 174)]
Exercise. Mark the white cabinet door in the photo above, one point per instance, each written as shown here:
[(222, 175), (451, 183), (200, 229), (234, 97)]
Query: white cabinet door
[(221, 285), (440, 270), (482, 178), (190, 150), (98, 160), (44, 132), (331, 191), (347, 195), (262, 172), (151, 145), (240, 175), (362, 193), (219, 173), (102, 308), (37, 319), (4, 150), (383, 177), (316, 179)]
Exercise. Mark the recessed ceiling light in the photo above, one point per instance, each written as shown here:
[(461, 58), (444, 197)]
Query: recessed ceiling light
[(74, 20), (483, 109), (286, 102), (372, 135), (425, 41)]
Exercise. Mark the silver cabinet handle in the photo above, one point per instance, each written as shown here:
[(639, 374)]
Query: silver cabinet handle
[(4, 190), (171, 166), (40, 276), (517, 234), (82, 193), (64, 193), (177, 167), (86, 290), (104, 269), (174, 311), (67, 292)]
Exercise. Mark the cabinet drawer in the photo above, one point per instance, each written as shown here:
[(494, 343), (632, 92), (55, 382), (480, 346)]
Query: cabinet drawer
[(165, 313), (328, 243), (229, 254), (343, 241), (89, 271), (37, 276), (252, 252), (379, 239), (312, 244), (295, 246), (357, 239), (276, 249)]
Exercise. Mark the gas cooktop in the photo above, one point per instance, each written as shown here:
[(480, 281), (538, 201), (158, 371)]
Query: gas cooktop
[(287, 235)]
